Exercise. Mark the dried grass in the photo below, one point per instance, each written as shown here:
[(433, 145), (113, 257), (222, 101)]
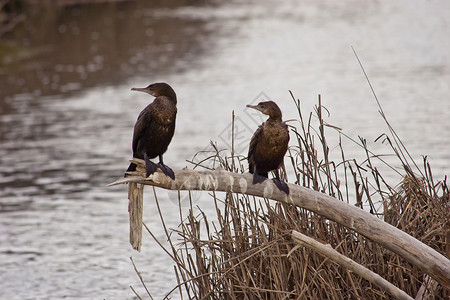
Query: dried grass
[(247, 252)]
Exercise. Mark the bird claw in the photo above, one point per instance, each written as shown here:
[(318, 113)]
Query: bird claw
[(281, 185), (166, 170), (150, 167), (258, 178)]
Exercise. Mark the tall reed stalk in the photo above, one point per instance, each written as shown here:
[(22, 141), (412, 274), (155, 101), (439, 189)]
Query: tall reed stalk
[(246, 250)]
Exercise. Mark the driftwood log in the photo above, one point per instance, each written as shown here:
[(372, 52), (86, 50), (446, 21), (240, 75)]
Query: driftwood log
[(424, 257), (327, 251)]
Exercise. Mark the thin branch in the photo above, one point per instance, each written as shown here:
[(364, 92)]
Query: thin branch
[(140, 278), (328, 251), (397, 139)]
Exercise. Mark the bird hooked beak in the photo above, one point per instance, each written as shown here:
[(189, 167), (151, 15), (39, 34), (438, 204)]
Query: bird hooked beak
[(144, 90), (257, 107)]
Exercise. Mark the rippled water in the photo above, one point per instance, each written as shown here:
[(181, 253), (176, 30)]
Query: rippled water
[(67, 113)]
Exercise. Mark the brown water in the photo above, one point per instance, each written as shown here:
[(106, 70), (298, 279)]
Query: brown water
[(67, 113)]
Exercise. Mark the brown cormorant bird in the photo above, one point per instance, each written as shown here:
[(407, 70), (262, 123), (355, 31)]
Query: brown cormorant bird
[(155, 127), (268, 145)]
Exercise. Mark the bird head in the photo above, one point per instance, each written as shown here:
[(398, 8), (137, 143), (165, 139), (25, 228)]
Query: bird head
[(269, 108), (158, 89)]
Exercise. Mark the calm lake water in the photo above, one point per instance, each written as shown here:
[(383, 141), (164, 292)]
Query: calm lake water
[(67, 114)]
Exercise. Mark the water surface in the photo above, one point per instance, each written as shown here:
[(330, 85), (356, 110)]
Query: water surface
[(67, 113)]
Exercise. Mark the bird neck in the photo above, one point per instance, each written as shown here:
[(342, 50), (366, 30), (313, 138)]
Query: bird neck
[(275, 117), (171, 95)]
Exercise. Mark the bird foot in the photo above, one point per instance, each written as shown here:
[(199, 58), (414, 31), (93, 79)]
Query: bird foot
[(258, 178), (150, 167), (131, 168), (166, 170), (281, 185)]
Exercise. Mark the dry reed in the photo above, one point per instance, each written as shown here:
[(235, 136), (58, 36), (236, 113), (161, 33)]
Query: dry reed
[(247, 251)]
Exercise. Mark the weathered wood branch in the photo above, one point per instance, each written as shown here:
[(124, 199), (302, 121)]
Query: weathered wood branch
[(417, 253), (353, 266), (135, 211)]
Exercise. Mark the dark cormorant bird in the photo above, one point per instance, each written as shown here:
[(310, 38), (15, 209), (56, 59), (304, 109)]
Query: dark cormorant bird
[(154, 128), (268, 145)]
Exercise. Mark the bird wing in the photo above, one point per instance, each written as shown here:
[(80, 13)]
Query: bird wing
[(251, 149), (143, 119), (287, 130)]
